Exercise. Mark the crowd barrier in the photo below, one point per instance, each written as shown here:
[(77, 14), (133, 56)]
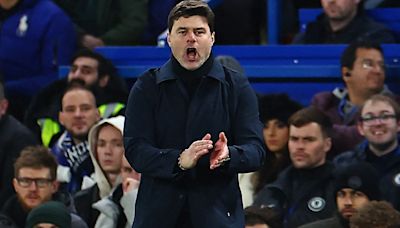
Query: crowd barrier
[(299, 70)]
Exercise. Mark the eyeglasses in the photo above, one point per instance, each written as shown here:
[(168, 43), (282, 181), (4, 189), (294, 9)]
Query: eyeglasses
[(368, 64), (383, 118), (40, 182)]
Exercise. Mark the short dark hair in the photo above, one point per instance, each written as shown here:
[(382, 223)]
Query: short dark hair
[(104, 67), (349, 54), (36, 157), (76, 84), (188, 8), (386, 98), (309, 115)]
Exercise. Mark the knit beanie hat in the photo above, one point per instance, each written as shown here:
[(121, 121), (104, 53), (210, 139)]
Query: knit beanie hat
[(277, 106), (360, 176), (50, 212)]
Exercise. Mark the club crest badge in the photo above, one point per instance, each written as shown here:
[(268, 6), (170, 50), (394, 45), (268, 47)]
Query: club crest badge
[(23, 25), (316, 204), (396, 179)]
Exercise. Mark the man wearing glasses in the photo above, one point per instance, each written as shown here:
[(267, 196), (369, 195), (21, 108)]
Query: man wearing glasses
[(379, 123), (35, 183), (363, 73)]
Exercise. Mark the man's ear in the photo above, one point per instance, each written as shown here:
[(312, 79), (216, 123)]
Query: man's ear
[(168, 39), (360, 128), (327, 144), (54, 185), (213, 37), (103, 82), (346, 73), (3, 106), (61, 117), (15, 183)]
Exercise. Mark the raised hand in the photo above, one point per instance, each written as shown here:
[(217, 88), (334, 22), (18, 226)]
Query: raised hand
[(220, 153)]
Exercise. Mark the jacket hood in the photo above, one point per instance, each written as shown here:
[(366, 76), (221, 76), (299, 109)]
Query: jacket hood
[(99, 176)]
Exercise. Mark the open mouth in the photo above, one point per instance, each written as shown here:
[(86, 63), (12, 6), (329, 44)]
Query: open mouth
[(191, 53)]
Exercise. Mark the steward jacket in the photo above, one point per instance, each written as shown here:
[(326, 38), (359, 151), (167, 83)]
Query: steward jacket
[(42, 113)]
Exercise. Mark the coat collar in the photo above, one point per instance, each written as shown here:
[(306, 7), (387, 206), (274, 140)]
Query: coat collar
[(166, 72)]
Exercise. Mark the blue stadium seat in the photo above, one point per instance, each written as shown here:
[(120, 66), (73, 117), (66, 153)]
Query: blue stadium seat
[(299, 70)]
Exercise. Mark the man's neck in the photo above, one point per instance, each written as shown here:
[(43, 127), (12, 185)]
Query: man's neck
[(358, 98), (337, 25), (383, 149), (112, 178)]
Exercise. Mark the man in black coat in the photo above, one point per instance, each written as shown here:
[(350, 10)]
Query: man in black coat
[(303, 191)]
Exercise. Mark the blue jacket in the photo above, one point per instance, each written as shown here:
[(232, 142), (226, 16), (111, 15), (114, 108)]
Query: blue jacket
[(389, 171), (161, 121), (34, 40)]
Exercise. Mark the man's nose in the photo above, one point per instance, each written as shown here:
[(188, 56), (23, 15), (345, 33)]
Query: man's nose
[(33, 186), (348, 200), (191, 36), (75, 74)]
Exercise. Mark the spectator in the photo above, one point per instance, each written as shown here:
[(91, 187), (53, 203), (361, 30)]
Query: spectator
[(106, 151), (275, 110), (380, 124), (303, 191), (265, 217), (376, 214), (130, 185), (49, 214), (355, 186), (14, 136), (118, 209), (179, 119), (363, 73), (78, 114), (99, 75), (107, 22), (344, 21), (36, 38), (35, 183)]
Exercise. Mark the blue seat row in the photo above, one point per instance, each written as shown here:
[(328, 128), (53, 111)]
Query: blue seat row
[(299, 70)]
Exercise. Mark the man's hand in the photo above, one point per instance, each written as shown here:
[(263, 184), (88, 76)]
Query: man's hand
[(189, 157), (129, 184), (91, 42), (220, 153)]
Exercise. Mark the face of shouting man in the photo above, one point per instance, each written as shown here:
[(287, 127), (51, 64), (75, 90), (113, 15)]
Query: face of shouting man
[(191, 41)]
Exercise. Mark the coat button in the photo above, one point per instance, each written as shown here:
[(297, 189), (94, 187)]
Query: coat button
[(228, 214), (181, 196)]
